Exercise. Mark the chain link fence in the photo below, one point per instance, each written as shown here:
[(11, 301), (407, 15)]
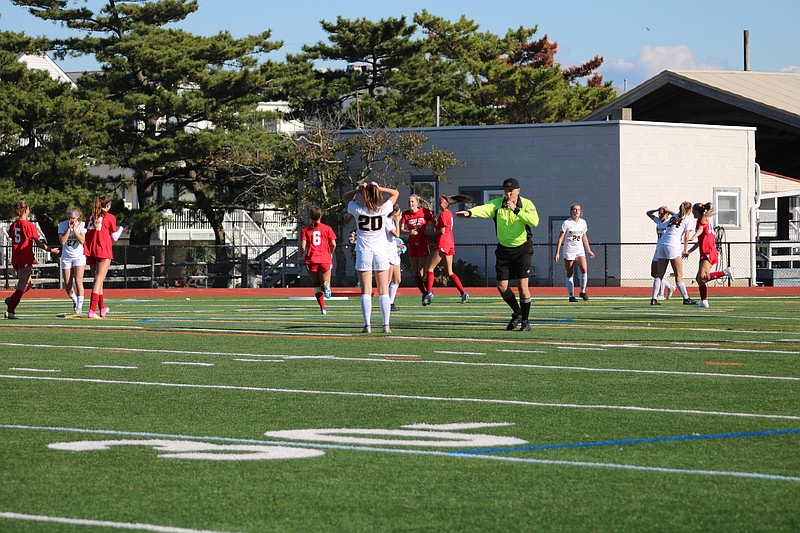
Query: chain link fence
[(200, 265)]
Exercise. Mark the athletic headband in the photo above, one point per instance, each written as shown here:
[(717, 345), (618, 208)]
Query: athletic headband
[(72, 214)]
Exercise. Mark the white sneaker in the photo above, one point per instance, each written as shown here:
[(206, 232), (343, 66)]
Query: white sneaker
[(367, 329), (323, 311), (386, 328), (702, 303), (729, 274)]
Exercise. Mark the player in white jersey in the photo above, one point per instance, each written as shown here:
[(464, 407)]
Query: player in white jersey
[(392, 237), (661, 217), (671, 246), (576, 246), (72, 234), (372, 247)]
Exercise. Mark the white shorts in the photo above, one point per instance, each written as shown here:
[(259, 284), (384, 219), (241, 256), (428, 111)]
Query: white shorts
[(571, 256), (72, 262), (668, 251), (370, 260), (394, 259)]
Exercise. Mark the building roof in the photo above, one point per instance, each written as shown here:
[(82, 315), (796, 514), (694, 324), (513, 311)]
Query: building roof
[(768, 101), (43, 62)]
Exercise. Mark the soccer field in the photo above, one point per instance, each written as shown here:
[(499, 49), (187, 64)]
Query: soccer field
[(259, 414)]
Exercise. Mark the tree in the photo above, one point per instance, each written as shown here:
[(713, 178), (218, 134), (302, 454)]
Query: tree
[(165, 86), (47, 135)]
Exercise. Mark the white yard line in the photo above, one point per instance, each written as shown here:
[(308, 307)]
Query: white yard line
[(491, 401), (100, 523)]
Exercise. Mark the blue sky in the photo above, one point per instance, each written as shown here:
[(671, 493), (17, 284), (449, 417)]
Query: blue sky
[(637, 39)]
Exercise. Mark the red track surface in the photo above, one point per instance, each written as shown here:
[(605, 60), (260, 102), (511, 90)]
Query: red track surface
[(353, 291)]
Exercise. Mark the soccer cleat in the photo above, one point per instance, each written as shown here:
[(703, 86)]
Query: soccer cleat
[(464, 298), (525, 326), (104, 311), (75, 308), (573, 299), (323, 311), (394, 308), (386, 328), (654, 302), (515, 320), (367, 329), (668, 292), (688, 301), (729, 273), (9, 315), (326, 288), (702, 303), (92, 314), (584, 296), (427, 299)]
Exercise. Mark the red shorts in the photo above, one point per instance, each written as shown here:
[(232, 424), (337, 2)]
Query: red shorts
[(421, 249), (91, 261), (447, 251), (17, 266), (319, 267), (712, 258)]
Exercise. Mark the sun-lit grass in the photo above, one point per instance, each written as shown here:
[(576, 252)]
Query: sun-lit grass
[(623, 416)]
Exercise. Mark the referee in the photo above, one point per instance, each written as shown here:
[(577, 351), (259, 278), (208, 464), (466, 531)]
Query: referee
[(513, 217)]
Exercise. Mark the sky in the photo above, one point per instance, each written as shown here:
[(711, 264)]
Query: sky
[(637, 39)]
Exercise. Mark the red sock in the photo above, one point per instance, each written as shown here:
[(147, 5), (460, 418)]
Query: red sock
[(429, 285), (13, 301), (320, 296), (457, 282), (703, 291), (716, 275), (93, 302), (101, 301)]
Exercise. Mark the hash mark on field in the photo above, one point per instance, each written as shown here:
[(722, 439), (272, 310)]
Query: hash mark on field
[(35, 369), (590, 348), (522, 351), (186, 364), (113, 367), (260, 360), (459, 353)]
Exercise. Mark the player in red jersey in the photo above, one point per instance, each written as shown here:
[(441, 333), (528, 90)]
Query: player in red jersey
[(413, 222), (445, 248), (317, 242), (101, 232), (709, 256), (24, 236)]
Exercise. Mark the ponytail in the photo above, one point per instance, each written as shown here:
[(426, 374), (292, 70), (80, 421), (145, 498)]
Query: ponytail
[(315, 214)]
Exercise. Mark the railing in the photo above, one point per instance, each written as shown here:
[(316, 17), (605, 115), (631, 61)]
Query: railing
[(614, 264)]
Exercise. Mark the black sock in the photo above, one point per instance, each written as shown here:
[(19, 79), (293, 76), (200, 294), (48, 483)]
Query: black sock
[(526, 309), (511, 300)]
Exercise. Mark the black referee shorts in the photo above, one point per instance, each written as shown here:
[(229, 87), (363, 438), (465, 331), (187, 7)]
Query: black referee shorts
[(513, 263)]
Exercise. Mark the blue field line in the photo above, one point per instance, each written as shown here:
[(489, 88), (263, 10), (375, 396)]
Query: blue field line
[(485, 457), (630, 441)]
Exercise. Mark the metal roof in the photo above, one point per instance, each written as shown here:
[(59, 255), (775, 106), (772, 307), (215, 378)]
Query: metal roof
[(769, 101)]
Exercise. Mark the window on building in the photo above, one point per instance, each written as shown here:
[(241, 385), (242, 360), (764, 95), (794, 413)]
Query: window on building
[(727, 207), (425, 187)]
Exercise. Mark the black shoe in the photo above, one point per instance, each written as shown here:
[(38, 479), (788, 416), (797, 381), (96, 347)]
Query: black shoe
[(525, 326), (573, 299), (584, 296), (654, 302), (394, 308), (515, 320), (688, 301)]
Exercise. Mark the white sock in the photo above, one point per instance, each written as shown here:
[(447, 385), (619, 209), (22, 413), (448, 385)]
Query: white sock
[(656, 288), (682, 287), (80, 303), (73, 298), (664, 286), (571, 286), (386, 308), (393, 291), (584, 281), (366, 308)]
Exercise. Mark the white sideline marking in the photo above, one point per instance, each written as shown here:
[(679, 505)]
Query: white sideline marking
[(114, 367), (17, 369), (430, 362), (183, 363), (459, 353), (101, 523), (384, 355), (581, 348), (261, 360), (501, 458), (491, 401)]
